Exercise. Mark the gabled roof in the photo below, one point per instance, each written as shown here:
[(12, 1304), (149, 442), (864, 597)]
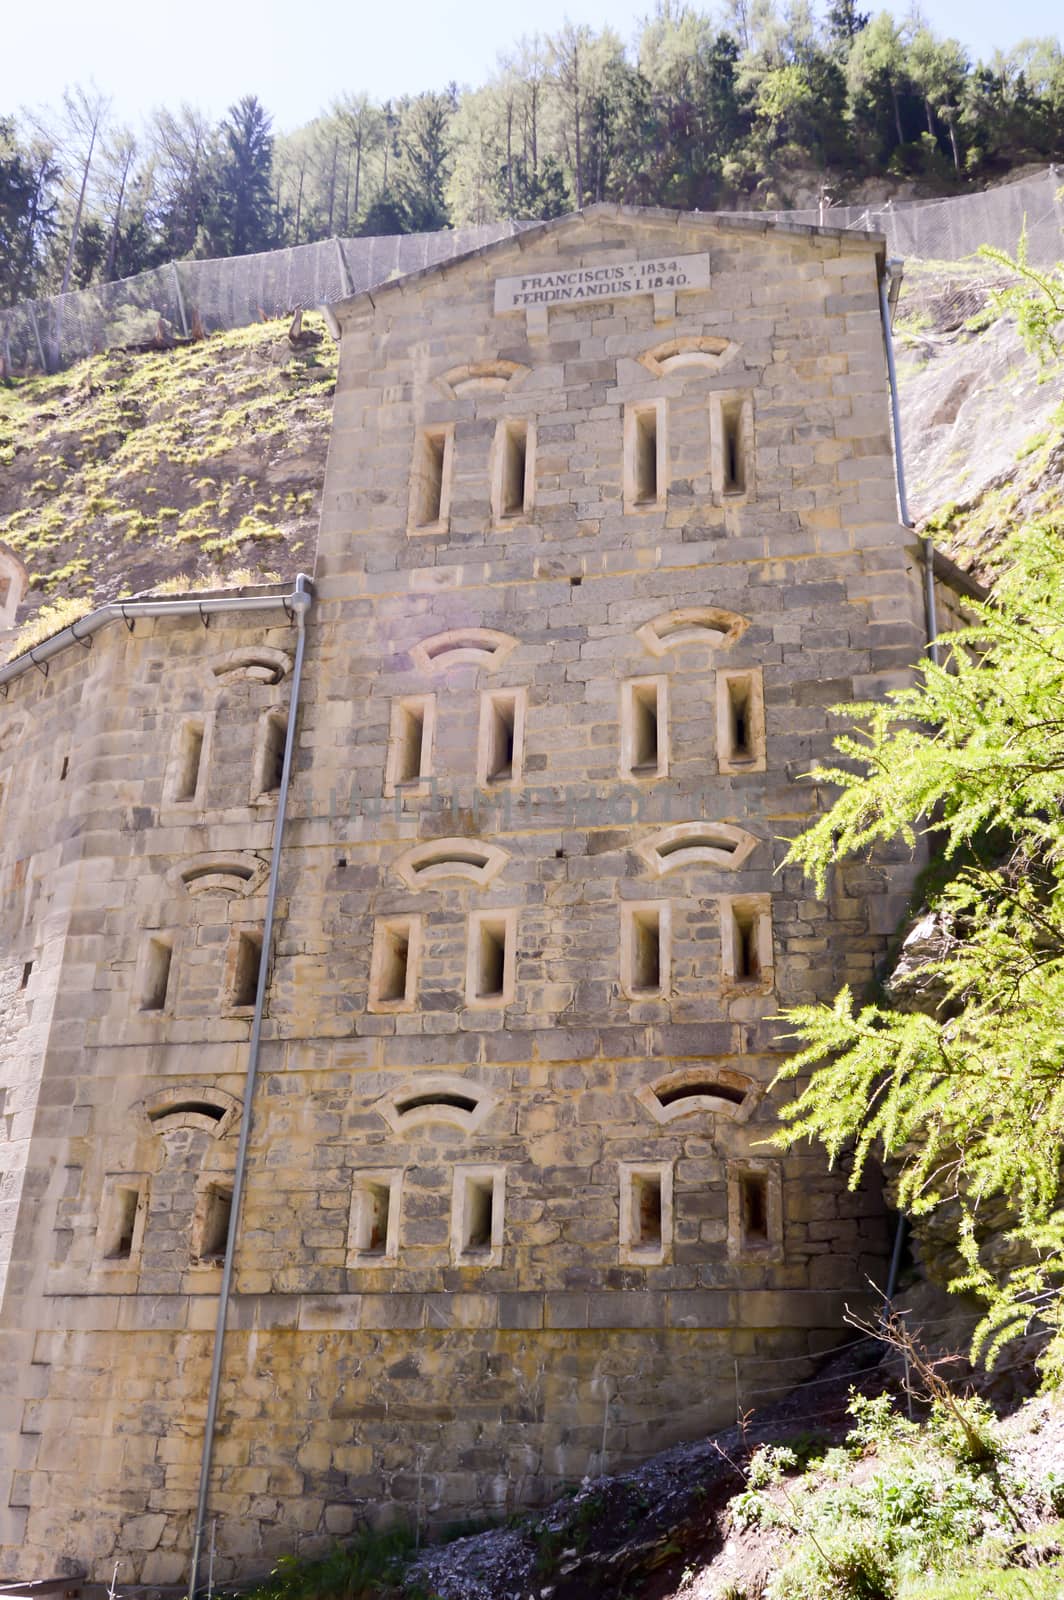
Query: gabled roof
[(533, 233)]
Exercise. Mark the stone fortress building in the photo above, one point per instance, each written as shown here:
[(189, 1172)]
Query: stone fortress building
[(609, 523)]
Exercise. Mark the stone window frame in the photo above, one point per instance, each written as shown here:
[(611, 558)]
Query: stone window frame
[(634, 499), (177, 762), (146, 982), (262, 756), (631, 912), (237, 874), (359, 1222), (630, 689), (425, 441), (631, 1252), (401, 707), (481, 377), (700, 1086), (465, 1177), (489, 698), (740, 1247), (433, 860), (728, 762), (702, 625), (506, 917), (259, 664), (696, 844), (487, 648), (503, 516), (385, 928), (437, 1097), (759, 908), (724, 406), (114, 1185), (208, 1185), (190, 1105), (239, 934), (700, 352)]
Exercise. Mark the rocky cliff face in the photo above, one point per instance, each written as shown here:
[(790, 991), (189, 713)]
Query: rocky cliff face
[(983, 428)]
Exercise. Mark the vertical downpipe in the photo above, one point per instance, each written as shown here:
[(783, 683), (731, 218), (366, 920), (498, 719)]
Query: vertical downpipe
[(300, 602), (931, 623), (930, 614)]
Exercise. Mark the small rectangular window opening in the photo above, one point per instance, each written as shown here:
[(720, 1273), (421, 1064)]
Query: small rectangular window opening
[(646, 456), (491, 959), (64, 769), (156, 981), (502, 722), (392, 962), (646, 1211), (734, 471), (372, 1230), (745, 944), (27, 973), (646, 951), (275, 735), (410, 742), (644, 727), (753, 1200), (479, 1216), (514, 465), (123, 1220), (214, 1231), (246, 968), (429, 478), (739, 709), (188, 761)]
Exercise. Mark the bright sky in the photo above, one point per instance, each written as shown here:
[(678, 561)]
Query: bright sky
[(297, 55)]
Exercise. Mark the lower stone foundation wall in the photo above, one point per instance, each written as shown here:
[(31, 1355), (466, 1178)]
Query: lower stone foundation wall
[(320, 1430)]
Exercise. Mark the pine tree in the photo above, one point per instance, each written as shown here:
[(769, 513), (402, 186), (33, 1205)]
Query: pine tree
[(958, 1076), (244, 218)]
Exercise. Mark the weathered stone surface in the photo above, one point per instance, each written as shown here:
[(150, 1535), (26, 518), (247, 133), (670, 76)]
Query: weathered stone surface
[(558, 1264)]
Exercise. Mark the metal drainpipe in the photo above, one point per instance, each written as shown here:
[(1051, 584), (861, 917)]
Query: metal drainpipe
[(931, 619), (300, 602), (930, 611)]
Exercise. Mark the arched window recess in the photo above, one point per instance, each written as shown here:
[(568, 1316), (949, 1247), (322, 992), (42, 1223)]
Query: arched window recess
[(700, 1088), (704, 625), (696, 844), (463, 647), (440, 1098), (435, 859)]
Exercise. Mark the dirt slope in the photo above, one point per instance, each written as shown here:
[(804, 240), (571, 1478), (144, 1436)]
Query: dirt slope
[(129, 470)]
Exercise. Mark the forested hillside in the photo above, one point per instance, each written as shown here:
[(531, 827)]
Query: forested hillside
[(767, 109)]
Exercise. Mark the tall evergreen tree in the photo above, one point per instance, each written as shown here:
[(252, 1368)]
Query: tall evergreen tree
[(27, 212), (244, 218), (420, 177)]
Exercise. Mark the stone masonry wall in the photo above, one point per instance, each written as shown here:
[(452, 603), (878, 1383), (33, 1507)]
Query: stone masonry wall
[(383, 1358)]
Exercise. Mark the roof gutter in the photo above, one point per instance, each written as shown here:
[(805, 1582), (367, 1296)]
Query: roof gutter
[(128, 611)]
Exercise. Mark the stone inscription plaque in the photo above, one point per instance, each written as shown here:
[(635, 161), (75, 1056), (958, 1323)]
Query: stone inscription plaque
[(610, 281)]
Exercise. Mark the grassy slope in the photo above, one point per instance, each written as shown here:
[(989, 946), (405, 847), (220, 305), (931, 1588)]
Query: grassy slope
[(130, 469)]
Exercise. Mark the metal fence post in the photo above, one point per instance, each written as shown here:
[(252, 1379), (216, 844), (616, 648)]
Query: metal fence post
[(179, 298)]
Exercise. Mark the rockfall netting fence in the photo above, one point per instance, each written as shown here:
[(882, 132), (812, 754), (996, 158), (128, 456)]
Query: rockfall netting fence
[(230, 292), (186, 296), (949, 230)]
